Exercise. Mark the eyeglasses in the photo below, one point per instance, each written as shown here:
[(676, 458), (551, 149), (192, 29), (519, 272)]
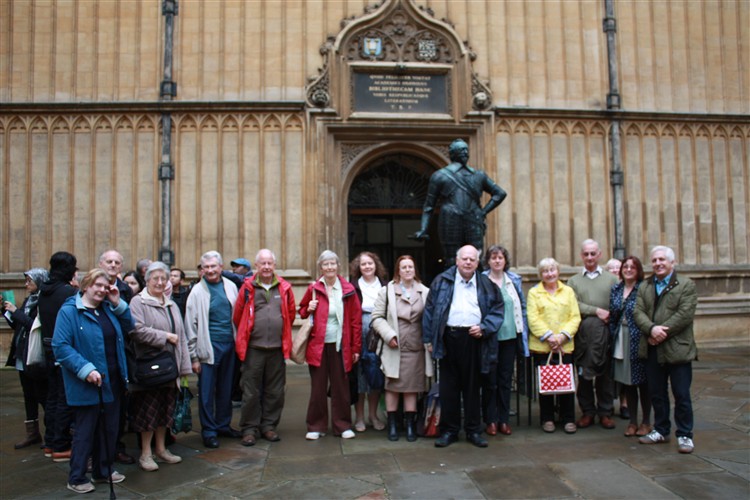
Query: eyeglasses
[(158, 279)]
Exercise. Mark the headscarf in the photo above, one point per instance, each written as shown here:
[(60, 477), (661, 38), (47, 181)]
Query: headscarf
[(38, 275)]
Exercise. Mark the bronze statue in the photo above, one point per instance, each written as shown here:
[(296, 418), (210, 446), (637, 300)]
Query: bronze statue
[(459, 189)]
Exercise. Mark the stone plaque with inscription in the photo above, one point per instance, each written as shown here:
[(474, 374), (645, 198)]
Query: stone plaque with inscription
[(396, 93)]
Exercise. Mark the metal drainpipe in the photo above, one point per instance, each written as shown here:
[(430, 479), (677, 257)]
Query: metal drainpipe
[(168, 90), (613, 103)]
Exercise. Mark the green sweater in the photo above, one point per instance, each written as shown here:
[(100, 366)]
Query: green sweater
[(592, 293)]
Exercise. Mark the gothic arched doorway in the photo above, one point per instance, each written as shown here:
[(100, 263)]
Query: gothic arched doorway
[(385, 209)]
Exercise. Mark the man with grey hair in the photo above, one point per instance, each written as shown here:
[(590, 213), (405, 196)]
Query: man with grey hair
[(592, 347), (111, 261), (463, 313), (211, 335), (664, 312), (263, 315)]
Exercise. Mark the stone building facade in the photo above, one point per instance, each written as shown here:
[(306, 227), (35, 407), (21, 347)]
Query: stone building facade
[(277, 140)]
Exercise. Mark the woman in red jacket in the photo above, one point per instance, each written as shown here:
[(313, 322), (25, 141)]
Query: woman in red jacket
[(334, 346)]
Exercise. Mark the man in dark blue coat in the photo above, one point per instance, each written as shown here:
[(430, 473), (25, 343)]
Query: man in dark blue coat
[(463, 313)]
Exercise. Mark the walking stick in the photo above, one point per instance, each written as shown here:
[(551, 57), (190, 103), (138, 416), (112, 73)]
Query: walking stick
[(103, 424)]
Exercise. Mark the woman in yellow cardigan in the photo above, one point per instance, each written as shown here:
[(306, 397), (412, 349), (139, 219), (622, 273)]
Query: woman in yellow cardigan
[(553, 322)]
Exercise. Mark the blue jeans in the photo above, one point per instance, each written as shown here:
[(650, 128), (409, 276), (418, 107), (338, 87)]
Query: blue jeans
[(215, 390), (680, 376)]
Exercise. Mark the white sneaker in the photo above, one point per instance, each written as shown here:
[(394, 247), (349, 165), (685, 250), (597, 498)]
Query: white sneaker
[(81, 488), (312, 436), (348, 434), (116, 478), (653, 437), (685, 444)]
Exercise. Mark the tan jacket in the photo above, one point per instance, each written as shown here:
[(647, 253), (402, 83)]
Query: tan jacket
[(196, 320), (152, 324), (385, 323)]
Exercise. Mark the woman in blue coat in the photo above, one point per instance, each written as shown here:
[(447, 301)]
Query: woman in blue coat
[(89, 345)]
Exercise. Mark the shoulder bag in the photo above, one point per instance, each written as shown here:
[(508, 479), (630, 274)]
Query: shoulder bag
[(299, 345)]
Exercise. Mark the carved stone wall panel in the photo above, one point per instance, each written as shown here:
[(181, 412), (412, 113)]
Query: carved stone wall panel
[(686, 185)]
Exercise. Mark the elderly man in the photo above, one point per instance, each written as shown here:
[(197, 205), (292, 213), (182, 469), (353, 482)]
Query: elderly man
[(111, 261), (211, 335), (664, 312), (459, 188), (463, 313), (592, 347), (263, 315)]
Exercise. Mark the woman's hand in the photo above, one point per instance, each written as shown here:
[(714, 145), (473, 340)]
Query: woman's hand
[(312, 305), (9, 306), (355, 358), (196, 367), (172, 338), (393, 343), (114, 295), (94, 378)]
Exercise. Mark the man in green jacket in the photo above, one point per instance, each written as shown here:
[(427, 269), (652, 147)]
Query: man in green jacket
[(664, 313)]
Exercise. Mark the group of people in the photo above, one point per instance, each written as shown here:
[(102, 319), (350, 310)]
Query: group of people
[(470, 324), (618, 327)]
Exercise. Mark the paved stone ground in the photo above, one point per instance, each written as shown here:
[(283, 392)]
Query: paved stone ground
[(594, 463)]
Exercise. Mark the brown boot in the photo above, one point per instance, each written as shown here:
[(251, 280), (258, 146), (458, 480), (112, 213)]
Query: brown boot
[(32, 435)]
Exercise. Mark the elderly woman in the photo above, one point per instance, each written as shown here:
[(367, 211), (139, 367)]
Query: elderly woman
[(553, 322), (89, 345), (512, 337), (367, 274), (333, 347), (158, 327), (397, 318), (33, 380), (629, 369)]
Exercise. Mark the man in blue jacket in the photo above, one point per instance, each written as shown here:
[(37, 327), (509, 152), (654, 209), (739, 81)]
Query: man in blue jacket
[(464, 311)]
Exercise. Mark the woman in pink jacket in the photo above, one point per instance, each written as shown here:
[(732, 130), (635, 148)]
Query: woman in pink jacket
[(333, 347)]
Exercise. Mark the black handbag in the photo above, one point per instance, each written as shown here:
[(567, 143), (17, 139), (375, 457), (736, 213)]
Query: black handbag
[(157, 369)]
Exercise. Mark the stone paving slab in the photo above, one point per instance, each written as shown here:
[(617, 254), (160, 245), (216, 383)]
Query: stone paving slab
[(313, 466), (520, 482), (431, 485), (349, 487), (587, 479), (707, 486), (662, 461)]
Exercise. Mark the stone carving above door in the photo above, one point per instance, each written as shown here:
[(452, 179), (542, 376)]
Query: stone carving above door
[(397, 37)]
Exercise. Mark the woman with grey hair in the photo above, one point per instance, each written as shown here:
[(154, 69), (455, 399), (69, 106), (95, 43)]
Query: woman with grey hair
[(334, 346), (158, 327), (33, 380), (553, 315)]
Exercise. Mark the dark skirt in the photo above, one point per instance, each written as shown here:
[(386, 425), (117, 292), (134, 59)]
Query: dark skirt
[(153, 408)]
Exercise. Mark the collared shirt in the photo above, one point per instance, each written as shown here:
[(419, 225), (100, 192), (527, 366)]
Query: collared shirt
[(592, 274), (465, 305), (369, 293), (335, 313), (510, 289), (662, 284)]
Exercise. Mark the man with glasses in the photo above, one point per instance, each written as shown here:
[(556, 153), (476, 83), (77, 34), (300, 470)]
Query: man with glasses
[(592, 348)]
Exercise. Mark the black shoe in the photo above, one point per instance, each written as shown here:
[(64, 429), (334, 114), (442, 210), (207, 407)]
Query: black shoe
[(211, 442), (477, 440), (411, 426), (124, 458), (624, 413), (392, 427), (446, 439), (231, 433)]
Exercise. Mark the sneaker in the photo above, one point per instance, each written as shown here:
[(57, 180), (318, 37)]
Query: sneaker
[(653, 437), (148, 464), (81, 488), (168, 457), (548, 426), (570, 428), (312, 436), (348, 434), (116, 478), (685, 444)]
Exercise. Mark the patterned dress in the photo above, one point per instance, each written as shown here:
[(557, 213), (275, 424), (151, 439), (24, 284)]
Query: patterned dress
[(630, 370)]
